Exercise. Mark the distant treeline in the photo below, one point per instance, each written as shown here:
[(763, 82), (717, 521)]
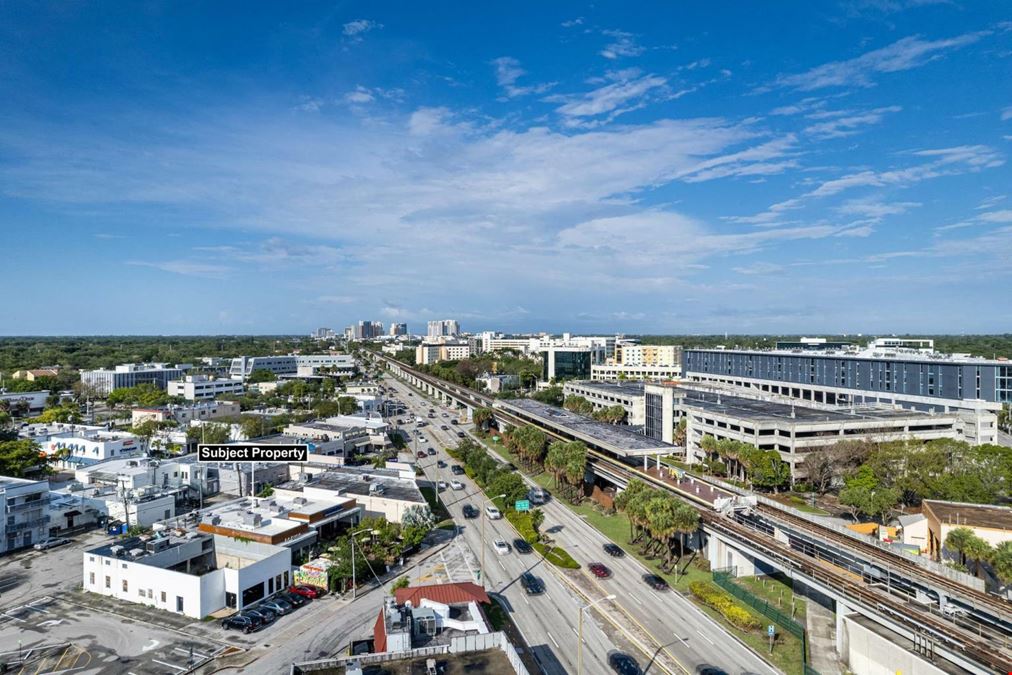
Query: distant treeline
[(18, 353), (988, 346)]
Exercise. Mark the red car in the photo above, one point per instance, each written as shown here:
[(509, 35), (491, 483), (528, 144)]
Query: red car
[(421, 455), (306, 591), (599, 570)]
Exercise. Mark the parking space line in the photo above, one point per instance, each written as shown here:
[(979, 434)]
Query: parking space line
[(188, 652), (170, 665)]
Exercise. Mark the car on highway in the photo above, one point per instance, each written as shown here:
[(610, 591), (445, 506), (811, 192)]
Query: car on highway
[(52, 542), (623, 664), (492, 513), (456, 485), (457, 470), (532, 585), (522, 546), (460, 434), (655, 582), (599, 570), (421, 455), (501, 546), (470, 512), (537, 495), (614, 550), (454, 422), (441, 485), (239, 622), (430, 452), (311, 592), (444, 427), (441, 464), (445, 415)]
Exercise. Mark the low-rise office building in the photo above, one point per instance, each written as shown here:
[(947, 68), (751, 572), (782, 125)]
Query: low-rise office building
[(201, 387), (24, 402), (184, 414), (380, 492), (35, 374), (103, 381), (26, 506), (76, 445), (188, 573), (289, 364), (448, 350), (990, 522), (602, 395)]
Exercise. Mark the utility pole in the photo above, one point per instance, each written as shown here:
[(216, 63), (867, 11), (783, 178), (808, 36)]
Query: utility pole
[(579, 652)]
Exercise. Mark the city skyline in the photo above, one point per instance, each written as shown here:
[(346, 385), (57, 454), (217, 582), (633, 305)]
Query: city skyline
[(583, 169)]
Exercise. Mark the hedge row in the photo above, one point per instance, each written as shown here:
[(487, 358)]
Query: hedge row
[(557, 556), (525, 526), (739, 617)]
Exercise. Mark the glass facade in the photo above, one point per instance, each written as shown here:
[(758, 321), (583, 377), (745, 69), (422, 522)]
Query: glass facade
[(654, 421), (569, 365)]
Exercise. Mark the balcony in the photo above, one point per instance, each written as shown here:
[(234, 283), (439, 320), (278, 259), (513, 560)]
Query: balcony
[(36, 504), (28, 524)]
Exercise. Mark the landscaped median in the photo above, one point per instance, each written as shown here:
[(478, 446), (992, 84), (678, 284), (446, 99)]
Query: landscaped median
[(739, 617)]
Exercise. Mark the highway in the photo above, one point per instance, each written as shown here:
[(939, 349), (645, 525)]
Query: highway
[(664, 623)]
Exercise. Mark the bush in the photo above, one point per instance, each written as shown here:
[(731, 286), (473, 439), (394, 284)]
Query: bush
[(524, 524), (557, 556), (711, 596), (403, 582)]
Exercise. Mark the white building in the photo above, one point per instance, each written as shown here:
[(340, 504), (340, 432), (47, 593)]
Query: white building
[(433, 352), (198, 387), (184, 414), (81, 445), (603, 395), (194, 574), (381, 492), (444, 327), (103, 381), (29, 401), (612, 371), (26, 508), (648, 355), (339, 364)]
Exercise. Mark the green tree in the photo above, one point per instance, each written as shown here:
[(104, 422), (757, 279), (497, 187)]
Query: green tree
[(22, 457), (614, 414), (347, 405), (958, 540), (66, 413), (632, 502), (261, 375), (550, 395), (578, 404), (209, 432), (1001, 561), (402, 582), (979, 551), (483, 418), (864, 493), (508, 483)]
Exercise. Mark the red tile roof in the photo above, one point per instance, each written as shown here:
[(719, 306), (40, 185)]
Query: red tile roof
[(379, 633), (447, 594)]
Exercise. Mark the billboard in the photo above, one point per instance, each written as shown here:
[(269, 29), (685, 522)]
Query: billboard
[(252, 452)]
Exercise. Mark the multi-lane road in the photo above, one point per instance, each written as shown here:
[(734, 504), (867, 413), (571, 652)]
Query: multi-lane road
[(663, 626)]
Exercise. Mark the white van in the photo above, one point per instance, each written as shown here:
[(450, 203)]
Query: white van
[(492, 512)]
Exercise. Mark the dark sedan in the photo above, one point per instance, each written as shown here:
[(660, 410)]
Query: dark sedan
[(655, 582), (623, 664), (532, 585), (614, 550), (470, 512), (239, 622), (522, 546)]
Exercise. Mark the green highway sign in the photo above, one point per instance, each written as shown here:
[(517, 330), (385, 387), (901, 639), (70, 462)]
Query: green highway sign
[(522, 505)]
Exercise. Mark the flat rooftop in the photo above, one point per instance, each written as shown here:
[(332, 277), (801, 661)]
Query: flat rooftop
[(613, 438), (878, 354), (771, 411), (971, 515), (614, 387), (141, 549), (355, 483)]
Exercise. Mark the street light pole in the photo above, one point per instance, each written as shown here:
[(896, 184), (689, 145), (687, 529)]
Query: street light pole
[(484, 517), (579, 644), (354, 588)]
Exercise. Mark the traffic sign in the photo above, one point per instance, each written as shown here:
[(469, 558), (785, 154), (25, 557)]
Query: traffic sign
[(771, 630), (523, 505)]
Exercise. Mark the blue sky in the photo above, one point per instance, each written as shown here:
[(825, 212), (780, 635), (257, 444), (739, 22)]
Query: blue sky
[(189, 167)]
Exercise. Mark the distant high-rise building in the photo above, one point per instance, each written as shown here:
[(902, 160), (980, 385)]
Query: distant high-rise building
[(323, 333), (398, 329), (444, 327), (365, 330)]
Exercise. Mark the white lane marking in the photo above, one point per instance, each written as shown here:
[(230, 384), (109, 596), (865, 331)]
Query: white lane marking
[(150, 645), (501, 565), (525, 599), (553, 640), (170, 665), (187, 652), (704, 637), (633, 596)]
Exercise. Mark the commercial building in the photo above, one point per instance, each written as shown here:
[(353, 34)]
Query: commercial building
[(32, 375), (188, 573), (648, 355), (397, 329), (612, 371), (991, 523), (103, 381), (184, 414), (887, 372), (78, 445), (134, 473), (380, 492), (24, 402), (568, 362), (202, 387), (495, 383), (797, 431), (26, 507), (429, 615), (444, 328), (433, 352), (602, 395), (339, 364)]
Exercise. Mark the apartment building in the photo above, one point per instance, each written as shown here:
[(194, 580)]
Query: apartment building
[(184, 414), (201, 387), (648, 355), (434, 352), (397, 329), (243, 366), (103, 381), (443, 328), (26, 507)]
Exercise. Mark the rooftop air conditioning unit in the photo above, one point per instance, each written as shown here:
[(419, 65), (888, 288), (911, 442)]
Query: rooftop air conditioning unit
[(136, 552)]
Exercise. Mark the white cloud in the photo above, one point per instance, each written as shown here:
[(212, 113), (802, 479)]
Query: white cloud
[(1003, 216), (624, 44), (611, 96), (425, 121), (874, 208), (848, 125), (990, 202), (355, 29), (905, 54), (359, 95), (187, 268), (578, 21), (508, 71), (1006, 114), (759, 268)]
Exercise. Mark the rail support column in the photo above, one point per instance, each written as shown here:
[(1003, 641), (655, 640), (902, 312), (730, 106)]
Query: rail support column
[(841, 632)]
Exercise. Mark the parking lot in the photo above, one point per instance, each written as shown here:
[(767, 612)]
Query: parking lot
[(50, 634)]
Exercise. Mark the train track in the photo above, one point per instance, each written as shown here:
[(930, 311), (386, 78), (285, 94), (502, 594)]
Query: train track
[(930, 628)]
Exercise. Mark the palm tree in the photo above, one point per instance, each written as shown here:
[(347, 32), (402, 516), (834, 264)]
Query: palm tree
[(555, 460), (1001, 561), (979, 551), (957, 540), (661, 523), (630, 502), (687, 522)]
